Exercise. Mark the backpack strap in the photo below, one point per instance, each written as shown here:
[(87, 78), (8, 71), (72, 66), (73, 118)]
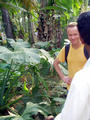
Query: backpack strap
[(66, 51), (86, 53)]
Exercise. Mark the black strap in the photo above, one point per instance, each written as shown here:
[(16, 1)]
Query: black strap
[(86, 53), (66, 51)]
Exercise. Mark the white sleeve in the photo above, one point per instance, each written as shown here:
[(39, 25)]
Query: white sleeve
[(76, 106), (58, 117)]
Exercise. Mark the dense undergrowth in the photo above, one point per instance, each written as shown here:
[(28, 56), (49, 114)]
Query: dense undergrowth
[(30, 88)]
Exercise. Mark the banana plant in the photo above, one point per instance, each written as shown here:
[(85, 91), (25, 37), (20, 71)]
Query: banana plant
[(30, 5)]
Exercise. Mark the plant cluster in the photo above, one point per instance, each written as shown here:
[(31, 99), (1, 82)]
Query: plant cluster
[(27, 88)]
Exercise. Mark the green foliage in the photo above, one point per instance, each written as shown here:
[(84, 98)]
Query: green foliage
[(54, 52), (38, 91), (45, 67), (21, 53), (8, 84), (33, 109), (29, 113), (43, 45), (29, 80)]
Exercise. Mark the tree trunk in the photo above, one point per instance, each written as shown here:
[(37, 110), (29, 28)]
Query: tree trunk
[(58, 34), (46, 28), (7, 24), (31, 39), (24, 22), (42, 27)]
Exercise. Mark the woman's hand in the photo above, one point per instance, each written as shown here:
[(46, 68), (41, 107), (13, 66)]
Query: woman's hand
[(67, 80), (50, 118)]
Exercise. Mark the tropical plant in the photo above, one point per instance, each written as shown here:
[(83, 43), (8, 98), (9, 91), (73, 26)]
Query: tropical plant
[(32, 111), (26, 78), (9, 77), (14, 82)]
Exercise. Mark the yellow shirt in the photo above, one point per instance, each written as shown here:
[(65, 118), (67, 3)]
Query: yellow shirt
[(75, 59)]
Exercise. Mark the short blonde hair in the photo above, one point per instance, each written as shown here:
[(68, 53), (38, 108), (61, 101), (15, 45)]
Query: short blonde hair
[(72, 24)]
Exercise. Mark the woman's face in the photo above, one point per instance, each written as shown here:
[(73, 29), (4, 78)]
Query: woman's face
[(73, 35)]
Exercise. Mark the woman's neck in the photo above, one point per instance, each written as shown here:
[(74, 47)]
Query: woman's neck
[(75, 46)]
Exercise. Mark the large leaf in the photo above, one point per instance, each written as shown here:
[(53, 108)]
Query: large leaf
[(4, 49), (42, 44), (19, 44), (33, 109), (22, 54), (60, 100), (46, 55), (10, 117), (21, 57), (64, 3)]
